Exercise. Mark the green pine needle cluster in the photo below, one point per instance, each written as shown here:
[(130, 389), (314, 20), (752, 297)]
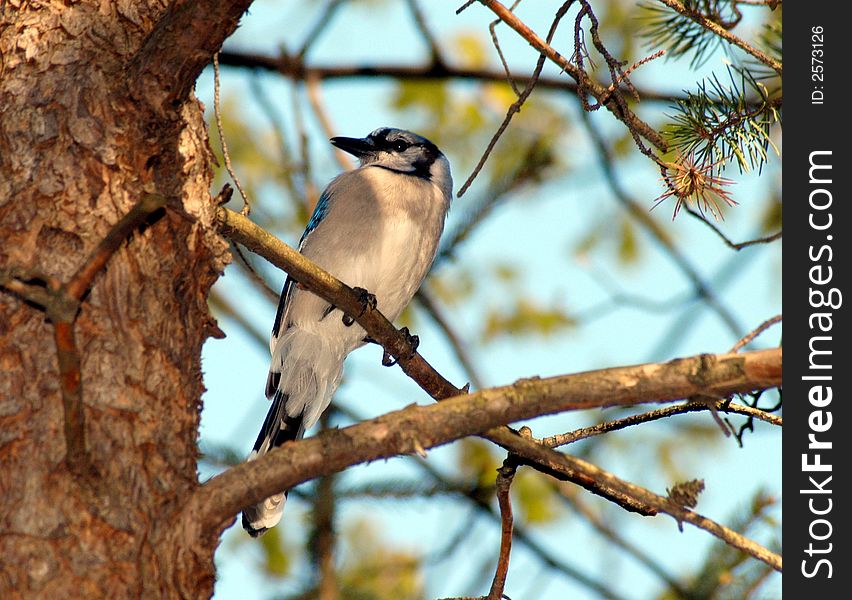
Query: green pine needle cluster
[(726, 120), (680, 35)]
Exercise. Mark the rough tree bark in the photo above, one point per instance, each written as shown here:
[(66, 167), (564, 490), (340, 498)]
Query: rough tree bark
[(100, 498), (96, 110)]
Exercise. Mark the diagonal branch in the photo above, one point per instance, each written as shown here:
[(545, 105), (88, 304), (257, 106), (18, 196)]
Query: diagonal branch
[(723, 33), (61, 303), (181, 44), (416, 428), (599, 92), (397, 345)]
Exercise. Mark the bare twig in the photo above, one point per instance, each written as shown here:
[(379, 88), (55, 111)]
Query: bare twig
[(254, 277), (225, 154), (61, 303), (723, 33), (286, 66), (492, 27), (517, 104), (756, 332), (733, 245), (622, 113), (662, 413), (425, 299), (505, 475)]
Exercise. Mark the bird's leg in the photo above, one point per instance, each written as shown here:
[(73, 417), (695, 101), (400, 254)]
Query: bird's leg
[(413, 342), (367, 300)]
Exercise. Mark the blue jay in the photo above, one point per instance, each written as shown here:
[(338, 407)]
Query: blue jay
[(375, 228)]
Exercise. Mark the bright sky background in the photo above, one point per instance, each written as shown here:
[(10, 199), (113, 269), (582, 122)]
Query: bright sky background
[(535, 233)]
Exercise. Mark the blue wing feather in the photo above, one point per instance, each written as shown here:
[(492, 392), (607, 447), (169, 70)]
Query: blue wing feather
[(320, 210)]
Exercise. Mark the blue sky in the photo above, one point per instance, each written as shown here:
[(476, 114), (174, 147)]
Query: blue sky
[(535, 233)]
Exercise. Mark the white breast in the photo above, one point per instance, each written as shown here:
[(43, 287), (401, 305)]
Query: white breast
[(381, 234)]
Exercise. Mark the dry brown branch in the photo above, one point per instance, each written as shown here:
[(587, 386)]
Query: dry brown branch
[(61, 303), (654, 415), (289, 67), (505, 475), (416, 428), (723, 33), (733, 245), (166, 67), (622, 113), (747, 339)]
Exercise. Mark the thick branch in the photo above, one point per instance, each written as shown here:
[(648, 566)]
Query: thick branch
[(397, 345), (420, 427), (182, 43)]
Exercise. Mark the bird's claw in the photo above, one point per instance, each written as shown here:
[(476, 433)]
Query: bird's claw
[(367, 300), (413, 342)]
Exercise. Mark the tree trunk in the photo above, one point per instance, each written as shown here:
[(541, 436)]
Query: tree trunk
[(96, 111)]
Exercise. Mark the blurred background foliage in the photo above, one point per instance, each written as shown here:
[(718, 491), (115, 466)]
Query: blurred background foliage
[(552, 262)]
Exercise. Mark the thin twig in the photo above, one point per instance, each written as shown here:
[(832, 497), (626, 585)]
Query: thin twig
[(517, 104), (254, 277), (314, 99), (319, 26), (622, 113), (733, 245), (492, 27), (723, 33), (756, 332), (425, 299), (562, 439), (505, 475), (226, 155)]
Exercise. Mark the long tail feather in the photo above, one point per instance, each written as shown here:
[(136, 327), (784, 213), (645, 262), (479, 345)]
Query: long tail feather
[(277, 428)]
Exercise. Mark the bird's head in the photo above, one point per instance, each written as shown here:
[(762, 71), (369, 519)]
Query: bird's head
[(401, 151)]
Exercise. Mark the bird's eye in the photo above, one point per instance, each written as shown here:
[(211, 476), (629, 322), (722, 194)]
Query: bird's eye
[(400, 146)]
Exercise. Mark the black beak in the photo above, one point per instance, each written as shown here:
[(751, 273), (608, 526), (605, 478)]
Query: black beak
[(357, 147)]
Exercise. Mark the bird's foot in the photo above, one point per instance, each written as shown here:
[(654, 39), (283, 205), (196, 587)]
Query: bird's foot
[(367, 300), (413, 342)]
